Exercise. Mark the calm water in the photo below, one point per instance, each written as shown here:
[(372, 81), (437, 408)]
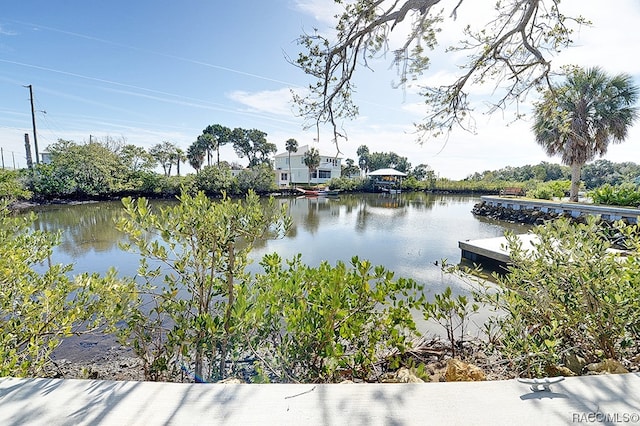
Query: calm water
[(407, 233)]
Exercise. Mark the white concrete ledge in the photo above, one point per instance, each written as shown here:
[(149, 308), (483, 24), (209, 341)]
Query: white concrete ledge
[(578, 400)]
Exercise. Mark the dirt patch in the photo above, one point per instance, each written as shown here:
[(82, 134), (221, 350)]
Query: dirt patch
[(94, 356)]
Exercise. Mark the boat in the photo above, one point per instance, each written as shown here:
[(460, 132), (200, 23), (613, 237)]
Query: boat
[(390, 190), (318, 192)]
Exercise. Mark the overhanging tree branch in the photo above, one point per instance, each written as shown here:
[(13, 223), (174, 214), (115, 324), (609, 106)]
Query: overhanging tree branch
[(514, 48)]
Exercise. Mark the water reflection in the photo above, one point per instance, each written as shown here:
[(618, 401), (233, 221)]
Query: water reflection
[(85, 227), (407, 233)]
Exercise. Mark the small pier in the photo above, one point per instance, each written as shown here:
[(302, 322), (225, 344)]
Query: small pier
[(493, 252)]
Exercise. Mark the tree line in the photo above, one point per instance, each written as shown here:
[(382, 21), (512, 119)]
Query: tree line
[(594, 175), (108, 168)]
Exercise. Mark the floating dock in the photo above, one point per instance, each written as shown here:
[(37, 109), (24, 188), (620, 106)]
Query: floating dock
[(492, 252)]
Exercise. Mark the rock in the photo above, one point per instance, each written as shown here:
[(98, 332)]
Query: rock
[(575, 363), (230, 381), (403, 375), (608, 366), (559, 370), (458, 371)]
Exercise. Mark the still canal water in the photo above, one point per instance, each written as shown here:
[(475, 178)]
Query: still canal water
[(407, 233)]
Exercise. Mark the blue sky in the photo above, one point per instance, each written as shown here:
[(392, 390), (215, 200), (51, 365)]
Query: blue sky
[(150, 71)]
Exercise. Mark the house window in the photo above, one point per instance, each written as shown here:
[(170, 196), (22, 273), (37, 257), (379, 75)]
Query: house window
[(284, 176), (332, 160), (324, 174)]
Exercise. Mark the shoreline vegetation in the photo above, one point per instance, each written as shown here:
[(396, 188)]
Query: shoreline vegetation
[(566, 343), (577, 314)]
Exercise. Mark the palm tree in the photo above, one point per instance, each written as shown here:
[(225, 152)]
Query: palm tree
[(195, 155), (363, 158), (291, 145), (208, 143), (311, 159), (179, 157), (578, 119)]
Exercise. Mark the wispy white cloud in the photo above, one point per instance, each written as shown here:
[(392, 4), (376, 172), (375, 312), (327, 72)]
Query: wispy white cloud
[(322, 11), (607, 41), (6, 32), (278, 102)]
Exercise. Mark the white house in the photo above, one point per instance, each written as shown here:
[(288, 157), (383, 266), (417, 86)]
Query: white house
[(330, 167)]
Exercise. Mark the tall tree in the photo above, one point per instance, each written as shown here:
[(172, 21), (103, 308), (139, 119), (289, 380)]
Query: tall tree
[(579, 118), (195, 155), (135, 158), (291, 146), (221, 136), (164, 154), (423, 172), (311, 159), (350, 169), (179, 157), (207, 143), (381, 160), (253, 145), (513, 49), (363, 158)]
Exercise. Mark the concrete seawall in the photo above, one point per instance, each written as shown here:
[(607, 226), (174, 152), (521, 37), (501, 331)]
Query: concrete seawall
[(606, 399), (535, 212)]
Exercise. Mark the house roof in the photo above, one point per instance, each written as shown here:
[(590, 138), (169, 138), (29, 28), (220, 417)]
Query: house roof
[(386, 172), (301, 151)]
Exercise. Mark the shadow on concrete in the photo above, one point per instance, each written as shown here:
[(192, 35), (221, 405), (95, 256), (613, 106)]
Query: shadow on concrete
[(578, 400)]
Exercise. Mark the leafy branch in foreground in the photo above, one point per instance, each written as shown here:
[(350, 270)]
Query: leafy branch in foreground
[(568, 295), (329, 323), (194, 256), (39, 309), (513, 51)]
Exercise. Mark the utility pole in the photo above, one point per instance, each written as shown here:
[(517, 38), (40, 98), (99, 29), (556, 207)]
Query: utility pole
[(33, 121), (27, 149)]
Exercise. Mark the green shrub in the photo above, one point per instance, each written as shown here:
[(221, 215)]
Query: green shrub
[(452, 313), (258, 178), (349, 184), (625, 194), (550, 190), (567, 295), (413, 184), (38, 309), (197, 300), (12, 186), (214, 180), (329, 323)]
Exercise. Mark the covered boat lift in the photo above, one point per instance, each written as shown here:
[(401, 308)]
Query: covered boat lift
[(387, 180)]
